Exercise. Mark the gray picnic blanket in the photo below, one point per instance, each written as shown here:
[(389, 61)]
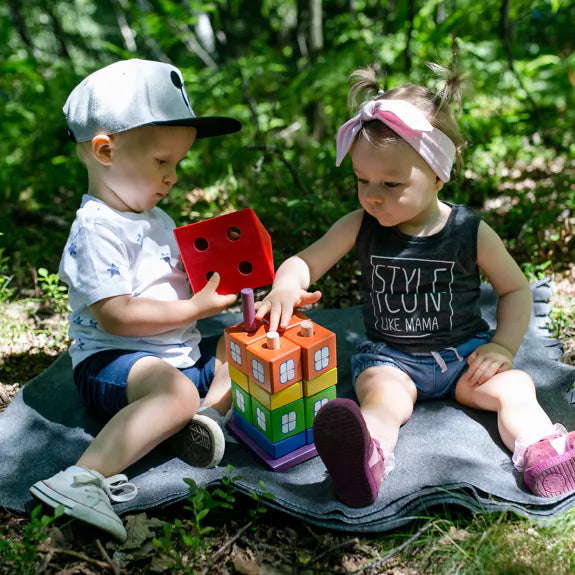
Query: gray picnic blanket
[(447, 454)]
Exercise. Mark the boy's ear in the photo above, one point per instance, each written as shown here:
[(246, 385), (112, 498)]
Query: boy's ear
[(102, 149)]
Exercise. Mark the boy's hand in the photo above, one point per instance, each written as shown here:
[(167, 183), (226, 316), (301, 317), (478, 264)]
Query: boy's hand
[(280, 303), (486, 361), (208, 302)]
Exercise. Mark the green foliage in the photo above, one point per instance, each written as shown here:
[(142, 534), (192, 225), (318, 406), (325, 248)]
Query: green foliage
[(6, 291), (184, 544), (53, 290), (562, 321), (261, 63), (260, 500), (21, 556)]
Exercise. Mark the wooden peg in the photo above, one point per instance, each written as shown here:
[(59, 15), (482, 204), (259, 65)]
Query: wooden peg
[(307, 328), (273, 340)]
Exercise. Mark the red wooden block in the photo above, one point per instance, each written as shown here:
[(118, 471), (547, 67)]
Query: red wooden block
[(235, 245)]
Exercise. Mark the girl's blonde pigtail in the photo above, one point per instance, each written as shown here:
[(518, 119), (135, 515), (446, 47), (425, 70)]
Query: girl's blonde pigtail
[(451, 91), (365, 86)]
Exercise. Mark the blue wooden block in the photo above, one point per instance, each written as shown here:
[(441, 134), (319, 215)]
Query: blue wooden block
[(308, 436), (275, 450), (283, 463)]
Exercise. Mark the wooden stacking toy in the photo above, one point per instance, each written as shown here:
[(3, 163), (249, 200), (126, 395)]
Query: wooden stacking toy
[(279, 383)]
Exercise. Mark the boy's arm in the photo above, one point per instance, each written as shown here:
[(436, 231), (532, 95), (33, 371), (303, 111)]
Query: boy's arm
[(141, 317), (297, 273), (513, 308)]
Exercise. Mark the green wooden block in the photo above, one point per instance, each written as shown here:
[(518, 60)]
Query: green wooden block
[(242, 402), (280, 423), (314, 403)]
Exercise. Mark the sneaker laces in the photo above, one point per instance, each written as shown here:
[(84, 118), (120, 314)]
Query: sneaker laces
[(116, 487)]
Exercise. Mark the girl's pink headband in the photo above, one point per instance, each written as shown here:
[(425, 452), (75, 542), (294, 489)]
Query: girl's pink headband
[(409, 123)]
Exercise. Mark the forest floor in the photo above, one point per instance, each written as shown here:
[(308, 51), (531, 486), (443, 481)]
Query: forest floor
[(244, 539)]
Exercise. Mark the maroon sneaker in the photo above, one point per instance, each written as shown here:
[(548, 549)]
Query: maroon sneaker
[(354, 459), (548, 471)]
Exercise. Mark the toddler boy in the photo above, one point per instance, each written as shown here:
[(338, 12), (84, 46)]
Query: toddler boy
[(140, 363)]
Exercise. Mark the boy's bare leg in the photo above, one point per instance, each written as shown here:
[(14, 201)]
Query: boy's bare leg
[(161, 401), (219, 395)]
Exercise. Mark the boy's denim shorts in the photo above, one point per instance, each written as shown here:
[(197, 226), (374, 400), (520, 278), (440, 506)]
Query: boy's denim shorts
[(435, 374), (101, 379)]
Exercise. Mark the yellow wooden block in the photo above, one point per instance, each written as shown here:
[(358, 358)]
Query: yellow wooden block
[(274, 400), (317, 384), (239, 377)]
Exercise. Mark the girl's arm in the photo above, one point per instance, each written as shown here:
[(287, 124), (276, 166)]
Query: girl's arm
[(140, 317), (513, 308), (297, 273)]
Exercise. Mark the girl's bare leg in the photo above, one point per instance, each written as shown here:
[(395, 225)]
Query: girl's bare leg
[(511, 394), (386, 397)]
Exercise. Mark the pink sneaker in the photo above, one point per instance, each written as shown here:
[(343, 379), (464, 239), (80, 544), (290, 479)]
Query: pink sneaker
[(354, 459), (550, 471)]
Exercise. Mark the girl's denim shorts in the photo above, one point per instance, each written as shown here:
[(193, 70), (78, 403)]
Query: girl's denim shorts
[(435, 374), (101, 378)]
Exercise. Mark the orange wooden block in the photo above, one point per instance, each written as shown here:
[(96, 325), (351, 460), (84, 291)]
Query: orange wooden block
[(274, 369), (318, 351), (237, 340)]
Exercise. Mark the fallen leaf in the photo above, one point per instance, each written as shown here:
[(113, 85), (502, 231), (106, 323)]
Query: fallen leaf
[(245, 562)]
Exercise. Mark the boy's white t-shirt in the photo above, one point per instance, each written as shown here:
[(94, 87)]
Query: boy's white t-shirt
[(111, 253)]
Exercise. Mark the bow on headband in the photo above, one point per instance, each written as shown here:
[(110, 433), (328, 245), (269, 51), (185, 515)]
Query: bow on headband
[(410, 124)]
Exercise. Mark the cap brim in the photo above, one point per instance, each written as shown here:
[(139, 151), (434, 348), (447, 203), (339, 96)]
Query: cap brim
[(208, 126)]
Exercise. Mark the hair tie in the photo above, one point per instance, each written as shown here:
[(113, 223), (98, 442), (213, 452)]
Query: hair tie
[(408, 122)]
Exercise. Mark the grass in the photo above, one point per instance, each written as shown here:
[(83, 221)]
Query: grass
[(500, 544), (446, 542)]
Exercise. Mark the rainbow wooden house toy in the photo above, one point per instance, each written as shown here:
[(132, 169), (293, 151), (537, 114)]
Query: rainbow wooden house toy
[(279, 383)]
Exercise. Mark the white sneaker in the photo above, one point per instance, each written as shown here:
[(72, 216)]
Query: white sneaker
[(86, 494), (201, 443)]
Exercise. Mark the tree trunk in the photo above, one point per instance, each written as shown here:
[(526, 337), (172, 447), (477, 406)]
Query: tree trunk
[(506, 33), (316, 28), (59, 33), (121, 8), (20, 25), (411, 12)]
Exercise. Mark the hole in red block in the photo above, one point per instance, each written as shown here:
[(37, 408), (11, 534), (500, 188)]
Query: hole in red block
[(201, 244), (234, 233), (246, 268), (209, 275)]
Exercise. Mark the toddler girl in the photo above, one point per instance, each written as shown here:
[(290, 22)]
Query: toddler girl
[(420, 259)]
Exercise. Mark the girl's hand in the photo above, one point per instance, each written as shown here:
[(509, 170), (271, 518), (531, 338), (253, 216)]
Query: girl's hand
[(280, 303), (486, 361), (208, 302)]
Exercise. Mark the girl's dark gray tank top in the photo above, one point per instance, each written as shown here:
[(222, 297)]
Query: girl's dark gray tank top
[(421, 294)]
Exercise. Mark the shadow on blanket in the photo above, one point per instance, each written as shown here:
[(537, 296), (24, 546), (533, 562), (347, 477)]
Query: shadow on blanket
[(446, 454)]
